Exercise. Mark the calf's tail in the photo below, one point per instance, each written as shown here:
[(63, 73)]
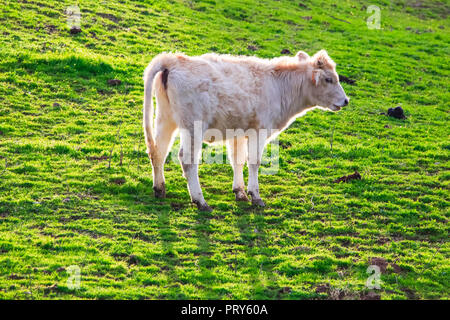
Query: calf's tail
[(150, 73)]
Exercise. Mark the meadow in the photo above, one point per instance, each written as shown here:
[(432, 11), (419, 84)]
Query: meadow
[(76, 183)]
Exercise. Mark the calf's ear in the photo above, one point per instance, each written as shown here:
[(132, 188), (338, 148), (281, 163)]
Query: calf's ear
[(302, 55), (322, 60)]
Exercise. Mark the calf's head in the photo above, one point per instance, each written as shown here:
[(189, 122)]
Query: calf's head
[(325, 89)]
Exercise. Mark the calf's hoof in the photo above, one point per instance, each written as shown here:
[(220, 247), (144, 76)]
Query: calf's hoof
[(258, 203), (160, 192), (240, 195), (202, 206)]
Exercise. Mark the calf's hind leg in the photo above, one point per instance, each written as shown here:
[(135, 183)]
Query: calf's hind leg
[(191, 146), (165, 128)]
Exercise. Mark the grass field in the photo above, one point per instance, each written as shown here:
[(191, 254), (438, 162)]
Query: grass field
[(76, 184)]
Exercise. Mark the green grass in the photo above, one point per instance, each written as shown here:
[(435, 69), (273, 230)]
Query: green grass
[(64, 201)]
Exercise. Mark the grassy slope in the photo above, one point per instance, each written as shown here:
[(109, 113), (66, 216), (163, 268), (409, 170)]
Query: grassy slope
[(59, 206)]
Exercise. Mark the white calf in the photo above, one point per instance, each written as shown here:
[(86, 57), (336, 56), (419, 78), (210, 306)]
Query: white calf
[(222, 92)]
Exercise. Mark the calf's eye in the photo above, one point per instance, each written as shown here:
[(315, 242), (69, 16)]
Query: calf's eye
[(329, 80)]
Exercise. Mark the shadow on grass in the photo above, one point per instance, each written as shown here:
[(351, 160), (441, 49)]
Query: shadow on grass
[(79, 72), (255, 236)]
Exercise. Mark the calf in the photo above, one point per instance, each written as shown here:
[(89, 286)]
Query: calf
[(224, 93)]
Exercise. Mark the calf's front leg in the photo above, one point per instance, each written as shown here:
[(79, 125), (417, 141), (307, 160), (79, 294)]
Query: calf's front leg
[(255, 150), (237, 152)]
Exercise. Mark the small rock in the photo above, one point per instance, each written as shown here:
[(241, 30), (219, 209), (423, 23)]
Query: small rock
[(396, 113), (285, 51), (252, 48)]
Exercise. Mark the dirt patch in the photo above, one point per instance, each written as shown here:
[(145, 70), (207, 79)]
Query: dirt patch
[(109, 16), (383, 240), (347, 80), (75, 30), (176, 206), (396, 267), (380, 262), (371, 295), (302, 249), (114, 82), (104, 92), (98, 158), (118, 181), (323, 288), (304, 6), (119, 255), (133, 259), (93, 35), (340, 293), (354, 176), (51, 28), (439, 8), (52, 288), (285, 290), (410, 294)]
